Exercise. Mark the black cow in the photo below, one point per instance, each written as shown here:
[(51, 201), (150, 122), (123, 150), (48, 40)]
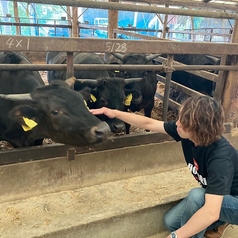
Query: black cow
[(193, 81), (97, 87), (146, 87), (79, 58), (112, 93), (32, 111), (190, 80)]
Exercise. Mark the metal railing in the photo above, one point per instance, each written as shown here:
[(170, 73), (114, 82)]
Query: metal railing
[(63, 27)]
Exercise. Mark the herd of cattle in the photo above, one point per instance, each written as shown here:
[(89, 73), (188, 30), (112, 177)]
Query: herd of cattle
[(32, 111)]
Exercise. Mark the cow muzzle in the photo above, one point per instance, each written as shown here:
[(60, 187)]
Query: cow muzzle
[(99, 133)]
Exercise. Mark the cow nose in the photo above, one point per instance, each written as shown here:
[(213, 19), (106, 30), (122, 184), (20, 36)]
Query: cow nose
[(102, 131), (118, 127)]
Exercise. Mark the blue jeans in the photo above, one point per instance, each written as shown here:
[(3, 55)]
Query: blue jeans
[(184, 210)]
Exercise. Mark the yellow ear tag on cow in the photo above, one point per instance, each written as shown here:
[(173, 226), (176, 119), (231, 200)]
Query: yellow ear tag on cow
[(128, 100), (86, 105), (29, 124), (93, 98)]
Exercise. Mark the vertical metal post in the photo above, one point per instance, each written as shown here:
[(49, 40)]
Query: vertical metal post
[(167, 86)]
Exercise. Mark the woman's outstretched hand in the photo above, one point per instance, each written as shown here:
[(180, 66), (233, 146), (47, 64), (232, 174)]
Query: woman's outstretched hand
[(106, 111)]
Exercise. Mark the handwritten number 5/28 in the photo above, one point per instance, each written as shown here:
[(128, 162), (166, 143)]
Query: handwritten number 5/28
[(117, 47)]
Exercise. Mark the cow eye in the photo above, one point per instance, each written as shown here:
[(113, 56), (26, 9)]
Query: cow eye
[(54, 112)]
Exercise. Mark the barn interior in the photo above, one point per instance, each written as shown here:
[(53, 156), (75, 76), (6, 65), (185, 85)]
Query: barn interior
[(124, 186)]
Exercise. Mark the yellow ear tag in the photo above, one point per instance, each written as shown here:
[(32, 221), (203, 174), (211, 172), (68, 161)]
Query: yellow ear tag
[(29, 124), (93, 98), (86, 105), (128, 100)]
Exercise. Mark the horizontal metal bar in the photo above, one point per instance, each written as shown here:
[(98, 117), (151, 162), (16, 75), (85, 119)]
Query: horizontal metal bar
[(59, 150), (136, 35), (195, 33), (172, 103), (34, 25), (179, 86), (204, 74), (85, 67)]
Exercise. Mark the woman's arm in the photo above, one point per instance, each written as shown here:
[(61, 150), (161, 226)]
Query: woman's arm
[(132, 119)]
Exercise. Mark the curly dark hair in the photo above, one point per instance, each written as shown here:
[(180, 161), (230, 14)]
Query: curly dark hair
[(203, 117)]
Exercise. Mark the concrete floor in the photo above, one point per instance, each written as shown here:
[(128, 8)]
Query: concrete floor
[(119, 193), (126, 208)]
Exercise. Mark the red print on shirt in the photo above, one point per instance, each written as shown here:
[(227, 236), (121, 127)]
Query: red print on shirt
[(195, 164)]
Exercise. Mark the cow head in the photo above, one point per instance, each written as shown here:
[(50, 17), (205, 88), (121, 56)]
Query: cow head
[(56, 111), (111, 93), (135, 59)]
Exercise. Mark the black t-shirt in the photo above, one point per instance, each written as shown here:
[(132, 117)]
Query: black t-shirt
[(215, 167)]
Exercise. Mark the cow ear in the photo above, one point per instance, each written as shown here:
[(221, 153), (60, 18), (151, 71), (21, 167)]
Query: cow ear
[(128, 99), (93, 98), (116, 72), (25, 116), (136, 97)]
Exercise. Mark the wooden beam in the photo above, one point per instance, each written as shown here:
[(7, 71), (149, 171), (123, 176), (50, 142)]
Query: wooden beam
[(43, 44), (189, 3), (136, 8)]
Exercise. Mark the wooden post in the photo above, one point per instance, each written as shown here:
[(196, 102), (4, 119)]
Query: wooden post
[(16, 15), (69, 18), (75, 29), (230, 95), (112, 21), (165, 28)]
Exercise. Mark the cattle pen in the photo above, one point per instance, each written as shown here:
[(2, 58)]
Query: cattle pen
[(121, 187)]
